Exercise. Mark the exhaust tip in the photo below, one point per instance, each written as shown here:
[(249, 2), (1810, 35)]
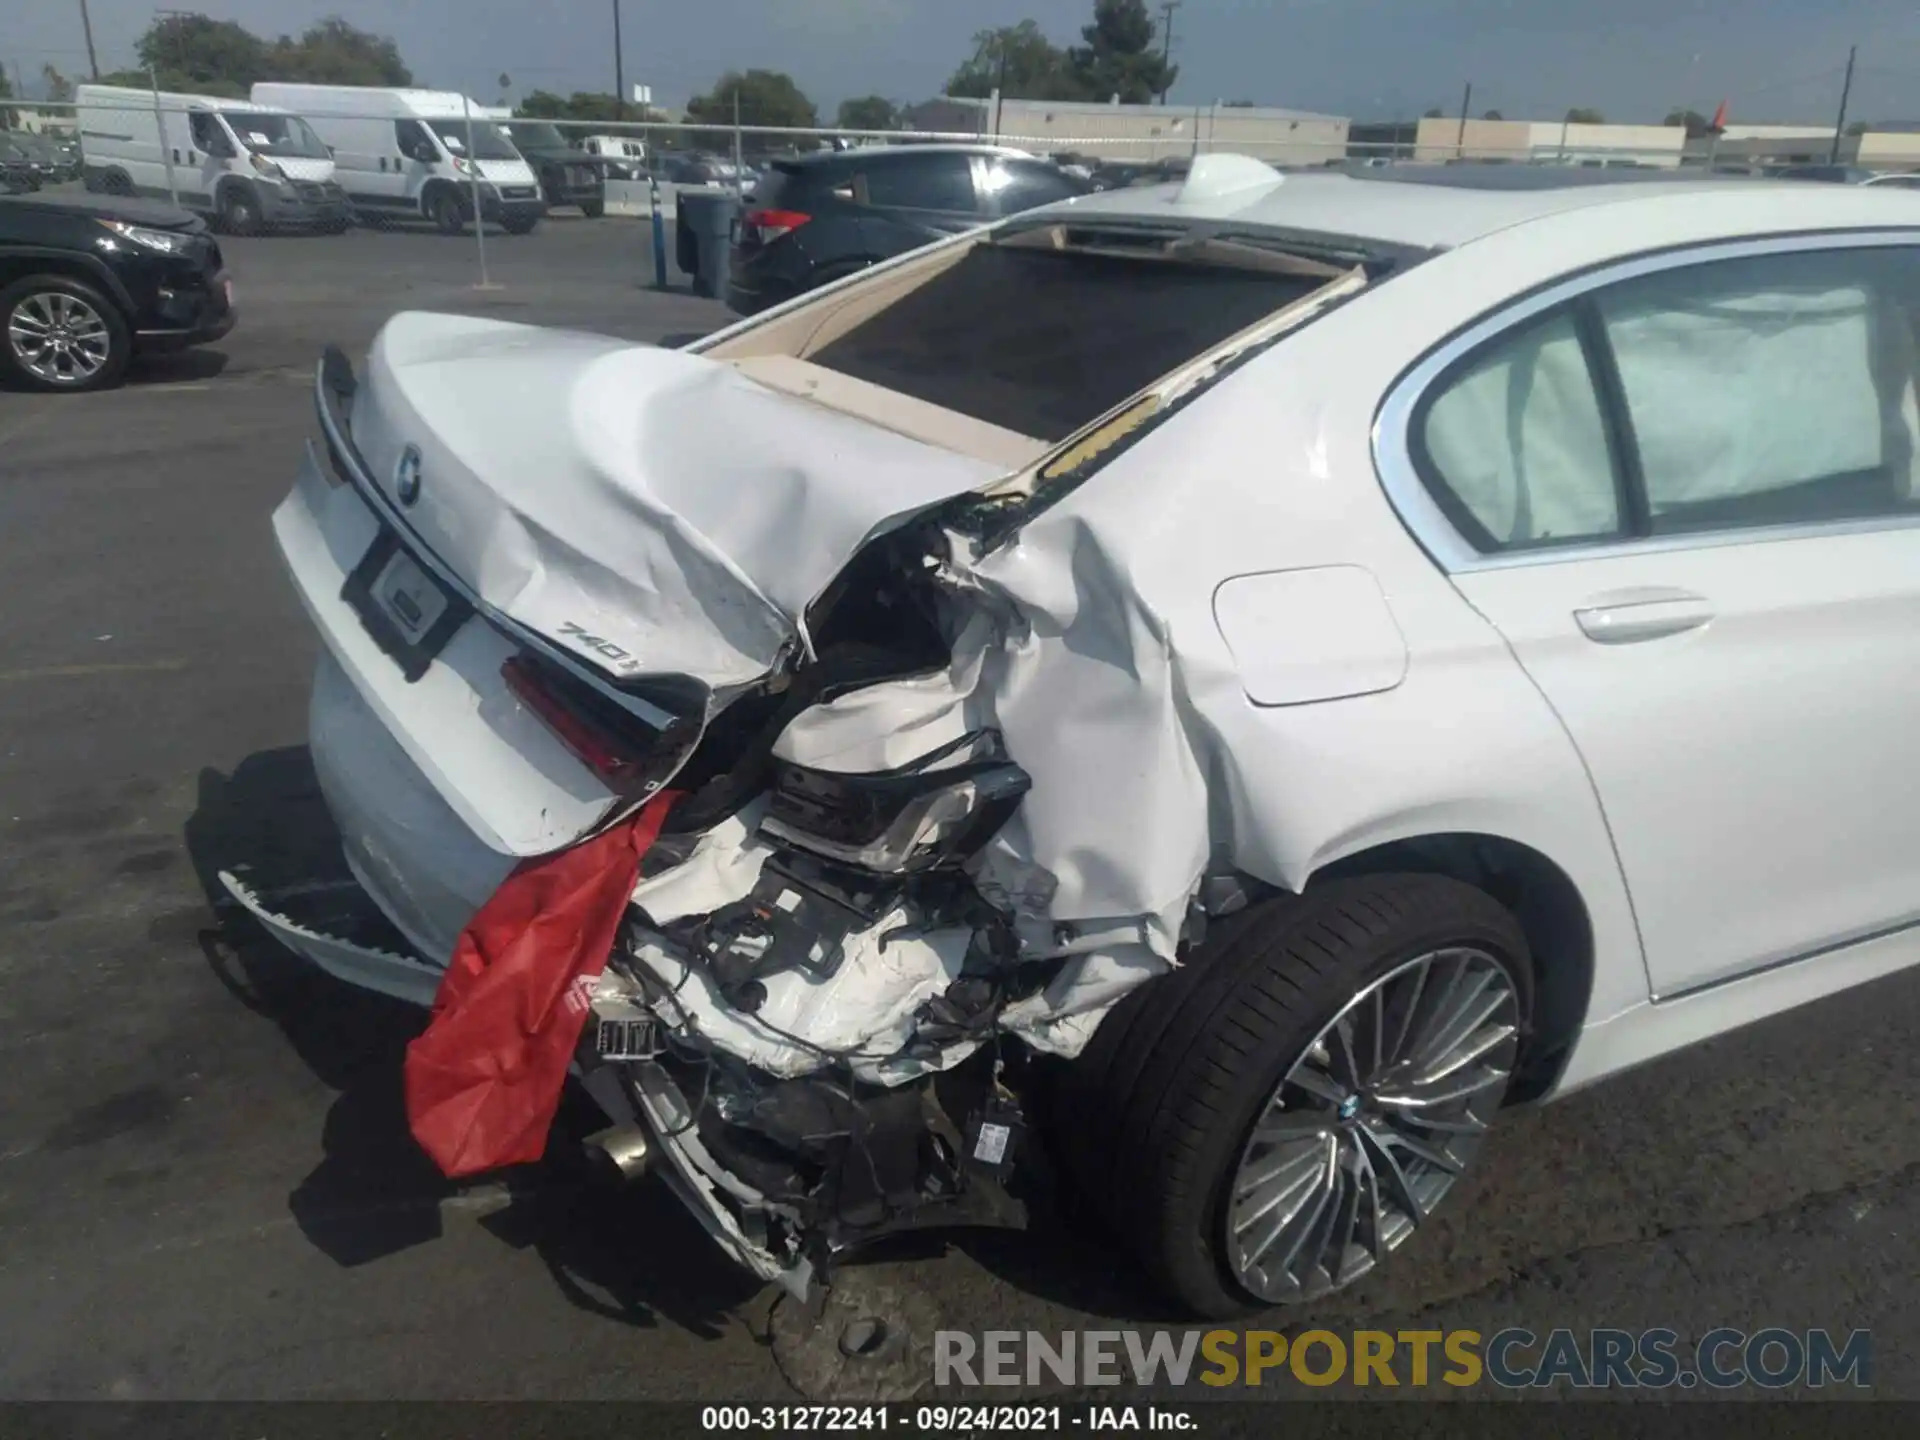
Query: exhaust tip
[(621, 1150)]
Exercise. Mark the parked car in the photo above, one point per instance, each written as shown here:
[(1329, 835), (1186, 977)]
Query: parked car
[(1897, 179), (1224, 689), (692, 168), (18, 175), (816, 219), (58, 160), (39, 154), (621, 156), (1120, 174), (1831, 174), (569, 174), (88, 282)]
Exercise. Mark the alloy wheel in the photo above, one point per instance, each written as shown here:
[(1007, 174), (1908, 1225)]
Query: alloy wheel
[(59, 338), (1372, 1125)]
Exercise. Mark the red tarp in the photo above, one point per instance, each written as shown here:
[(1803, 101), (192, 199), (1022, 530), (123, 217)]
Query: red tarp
[(484, 1079)]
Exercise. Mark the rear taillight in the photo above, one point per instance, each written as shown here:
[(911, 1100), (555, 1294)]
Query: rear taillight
[(763, 227), (620, 763)]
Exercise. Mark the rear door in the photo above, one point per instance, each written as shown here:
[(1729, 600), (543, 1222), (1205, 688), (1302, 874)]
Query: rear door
[(1693, 496), (910, 199)]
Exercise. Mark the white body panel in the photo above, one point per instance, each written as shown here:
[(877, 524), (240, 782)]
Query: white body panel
[(1726, 752)]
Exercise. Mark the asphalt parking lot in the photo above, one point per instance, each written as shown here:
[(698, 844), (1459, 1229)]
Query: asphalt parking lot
[(206, 1185)]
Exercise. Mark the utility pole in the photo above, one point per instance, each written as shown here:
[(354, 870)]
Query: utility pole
[(619, 69), (1466, 104), (999, 93), (86, 24), (1167, 8), (1846, 91)]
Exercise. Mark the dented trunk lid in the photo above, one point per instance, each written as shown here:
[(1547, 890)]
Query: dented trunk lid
[(660, 514)]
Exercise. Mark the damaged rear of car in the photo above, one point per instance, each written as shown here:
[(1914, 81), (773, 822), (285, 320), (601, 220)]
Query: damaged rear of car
[(787, 575)]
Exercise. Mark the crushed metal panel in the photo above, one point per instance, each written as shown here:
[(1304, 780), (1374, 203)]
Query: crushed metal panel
[(400, 976)]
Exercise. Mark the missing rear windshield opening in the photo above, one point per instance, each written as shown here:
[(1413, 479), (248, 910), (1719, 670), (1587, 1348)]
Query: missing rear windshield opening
[(1041, 341)]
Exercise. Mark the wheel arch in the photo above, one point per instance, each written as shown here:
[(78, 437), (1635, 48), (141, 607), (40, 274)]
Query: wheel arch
[(432, 188), (1552, 913), (21, 263)]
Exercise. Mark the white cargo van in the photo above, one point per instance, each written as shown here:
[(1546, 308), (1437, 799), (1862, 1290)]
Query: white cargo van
[(625, 158), (245, 166), (406, 152)]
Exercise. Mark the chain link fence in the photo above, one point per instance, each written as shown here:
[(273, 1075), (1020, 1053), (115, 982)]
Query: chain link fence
[(337, 209)]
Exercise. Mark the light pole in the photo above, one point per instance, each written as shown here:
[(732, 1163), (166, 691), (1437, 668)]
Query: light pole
[(86, 24), (1166, 39), (619, 69)]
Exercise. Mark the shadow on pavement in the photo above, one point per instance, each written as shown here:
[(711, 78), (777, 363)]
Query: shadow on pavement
[(632, 1255)]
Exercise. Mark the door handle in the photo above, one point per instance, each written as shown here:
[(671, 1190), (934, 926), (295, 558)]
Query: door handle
[(1648, 614)]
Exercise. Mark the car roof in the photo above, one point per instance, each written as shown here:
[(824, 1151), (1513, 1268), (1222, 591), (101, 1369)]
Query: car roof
[(866, 152), (1443, 206)]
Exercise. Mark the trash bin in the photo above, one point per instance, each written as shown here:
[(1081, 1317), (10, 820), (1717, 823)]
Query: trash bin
[(706, 215)]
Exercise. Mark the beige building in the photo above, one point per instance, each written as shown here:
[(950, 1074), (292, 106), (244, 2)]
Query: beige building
[(1536, 141), (1141, 132)]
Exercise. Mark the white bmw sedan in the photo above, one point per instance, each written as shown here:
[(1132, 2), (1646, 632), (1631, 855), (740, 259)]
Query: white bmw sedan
[(1222, 686)]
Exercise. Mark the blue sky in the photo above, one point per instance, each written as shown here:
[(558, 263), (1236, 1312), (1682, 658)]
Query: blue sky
[(1371, 59)]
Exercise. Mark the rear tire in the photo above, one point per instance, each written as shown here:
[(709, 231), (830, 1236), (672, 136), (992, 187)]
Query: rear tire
[(1155, 1120), (443, 208), (61, 335), (594, 209), (522, 226), (116, 182)]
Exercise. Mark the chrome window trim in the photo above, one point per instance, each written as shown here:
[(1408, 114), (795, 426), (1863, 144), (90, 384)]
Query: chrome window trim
[(1427, 522), (342, 446)]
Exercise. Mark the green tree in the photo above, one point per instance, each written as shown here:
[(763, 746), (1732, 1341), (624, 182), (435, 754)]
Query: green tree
[(543, 105), (1121, 55), (336, 53), (1692, 121), (1580, 115), (1493, 115), (1022, 62), (868, 112), (58, 87), (1238, 105), (1433, 112), (195, 52), (6, 93), (1859, 127), (765, 97), (176, 80)]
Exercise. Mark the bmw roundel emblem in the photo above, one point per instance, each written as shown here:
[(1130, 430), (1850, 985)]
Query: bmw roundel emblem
[(406, 476)]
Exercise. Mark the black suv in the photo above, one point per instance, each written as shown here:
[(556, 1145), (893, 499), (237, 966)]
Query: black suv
[(814, 219), (88, 281), (568, 174)]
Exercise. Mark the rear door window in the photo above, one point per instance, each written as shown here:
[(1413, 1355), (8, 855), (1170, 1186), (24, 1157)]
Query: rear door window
[(923, 182), (1774, 390), (1016, 185)]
